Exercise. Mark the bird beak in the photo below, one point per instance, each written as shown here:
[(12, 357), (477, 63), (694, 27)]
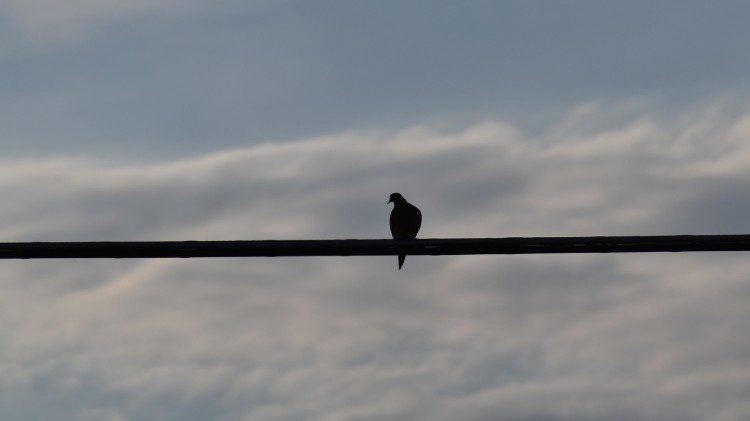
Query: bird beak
[(390, 201)]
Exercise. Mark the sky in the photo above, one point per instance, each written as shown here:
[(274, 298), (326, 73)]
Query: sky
[(197, 120)]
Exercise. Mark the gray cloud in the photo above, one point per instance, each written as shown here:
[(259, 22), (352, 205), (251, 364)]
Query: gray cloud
[(526, 338), (44, 24), (165, 79)]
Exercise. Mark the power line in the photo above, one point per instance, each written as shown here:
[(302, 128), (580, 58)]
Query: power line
[(432, 246)]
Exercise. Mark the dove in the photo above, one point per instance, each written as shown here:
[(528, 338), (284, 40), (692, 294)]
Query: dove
[(405, 221)]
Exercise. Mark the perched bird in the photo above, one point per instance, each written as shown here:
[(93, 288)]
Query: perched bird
[(405, 221)]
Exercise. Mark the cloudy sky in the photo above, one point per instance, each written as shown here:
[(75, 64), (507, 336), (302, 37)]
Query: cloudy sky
[(288, 119)]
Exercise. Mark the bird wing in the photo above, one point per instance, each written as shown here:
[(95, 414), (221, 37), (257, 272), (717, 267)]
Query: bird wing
[(414, 221), (405, 222)]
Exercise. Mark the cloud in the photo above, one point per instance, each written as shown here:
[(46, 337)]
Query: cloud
[(515, 337), (48, 23)]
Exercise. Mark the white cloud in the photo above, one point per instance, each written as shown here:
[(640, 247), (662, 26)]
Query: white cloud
[(519, 337)]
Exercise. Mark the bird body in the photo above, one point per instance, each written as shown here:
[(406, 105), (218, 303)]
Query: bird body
[(405, 221)]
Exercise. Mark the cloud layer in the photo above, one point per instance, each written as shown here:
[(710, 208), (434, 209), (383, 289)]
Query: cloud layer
[(43, 23), (519, 337), (154, 79)]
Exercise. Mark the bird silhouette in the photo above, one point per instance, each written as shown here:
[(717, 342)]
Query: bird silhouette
[(405, 221)]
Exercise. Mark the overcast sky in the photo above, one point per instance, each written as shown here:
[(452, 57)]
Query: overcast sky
[(229, 119)]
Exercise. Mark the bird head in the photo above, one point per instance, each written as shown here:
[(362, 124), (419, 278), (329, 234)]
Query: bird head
[(396, 198)]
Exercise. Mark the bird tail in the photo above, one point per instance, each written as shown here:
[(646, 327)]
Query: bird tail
[(401, 258)]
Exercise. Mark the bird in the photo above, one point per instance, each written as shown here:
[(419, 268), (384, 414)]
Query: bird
[(405, 221)]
